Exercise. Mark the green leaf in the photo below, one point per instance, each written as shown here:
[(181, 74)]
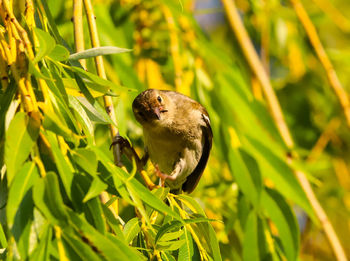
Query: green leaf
[(53, 122), (213, 241), (93, 113), (86, 159), (250, 241), (22, 228), (177, 224), (143, 193), (186, 252), (42, 250), (191, 203), (35, 71), (113, 223), (167, 256), (170, 245), (110, 249), (81, 249), (131, 229), (208, 237), (90, 102), (98, 51), (280, 173), (95, 189), (46, 44), (247, 174), (20, 138), (21, 184), (282, 216), (171, 236), (82, 117), (3, 241), (64, 169), (94, 214), (59, 53), (48, 199), (102, 83)]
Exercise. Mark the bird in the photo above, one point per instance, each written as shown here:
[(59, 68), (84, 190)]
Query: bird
[(177, 137)]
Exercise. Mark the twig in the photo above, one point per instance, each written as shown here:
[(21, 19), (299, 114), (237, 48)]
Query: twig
[(322, 56), (79, 46), (25, 96), (258, 70), (108, 102), (78, 28), (323, 140)]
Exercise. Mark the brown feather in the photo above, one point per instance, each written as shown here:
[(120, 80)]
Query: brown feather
[(194, 177)]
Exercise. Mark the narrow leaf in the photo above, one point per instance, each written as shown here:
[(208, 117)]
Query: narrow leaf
[(282, 216), (59, 53), (20, 138), (22, 182), (144, 194), (186, 252), (64, 169), (42, 250), (95, 189), (46, 44), (108, 248), (3, 241), (47, 197), (250, 241), (98, 51), (131, 229), (177, 224)]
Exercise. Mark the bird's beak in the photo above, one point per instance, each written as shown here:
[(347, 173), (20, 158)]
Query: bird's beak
[(157, 112)]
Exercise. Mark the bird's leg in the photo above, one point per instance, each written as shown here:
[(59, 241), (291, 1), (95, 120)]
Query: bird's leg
[(174, 174), (129, 151)]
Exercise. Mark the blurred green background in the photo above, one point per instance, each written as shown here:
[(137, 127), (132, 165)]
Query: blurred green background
[(188, 46)]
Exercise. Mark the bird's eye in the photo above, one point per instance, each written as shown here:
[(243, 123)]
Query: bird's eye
[(141, 114), (159, 99)]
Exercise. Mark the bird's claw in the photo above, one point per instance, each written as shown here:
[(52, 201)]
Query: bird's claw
[(122, 142)]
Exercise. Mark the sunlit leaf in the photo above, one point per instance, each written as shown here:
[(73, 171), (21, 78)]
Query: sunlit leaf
[(59, 53), (96, 187), (64, 169), (47, 197), (42, 250), (109, 249), (21, 184), (177, 224), (97, 51), (131, 229), (3, 241), (46, 44), (282, 216), (20, 138)]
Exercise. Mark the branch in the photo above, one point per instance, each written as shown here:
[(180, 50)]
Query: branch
[(79, 29), (108, 102)]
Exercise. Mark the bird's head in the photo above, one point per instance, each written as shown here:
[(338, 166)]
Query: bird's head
[(151, 107)]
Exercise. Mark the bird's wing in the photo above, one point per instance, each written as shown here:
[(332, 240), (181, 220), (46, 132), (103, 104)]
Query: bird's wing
[(193, 179)]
